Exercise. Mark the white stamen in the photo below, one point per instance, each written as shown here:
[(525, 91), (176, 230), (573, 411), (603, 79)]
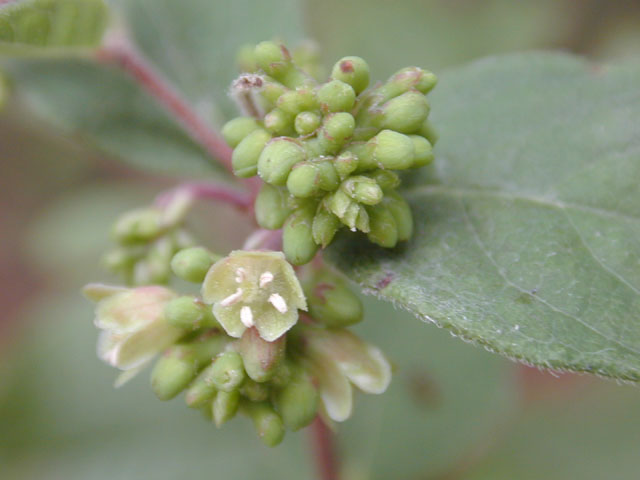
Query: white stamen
[(240, 275), (278, 303), (265, 279), (246, 316), (231, 299)]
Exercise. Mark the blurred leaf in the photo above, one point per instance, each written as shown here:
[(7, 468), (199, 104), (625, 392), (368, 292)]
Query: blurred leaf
[(445, 397), (591, 436), (104, 107), (194, 42), (528, 232), (51, 27)]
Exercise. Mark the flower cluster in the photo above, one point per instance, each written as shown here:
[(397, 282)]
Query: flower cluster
[(255, 341), (328, 152)]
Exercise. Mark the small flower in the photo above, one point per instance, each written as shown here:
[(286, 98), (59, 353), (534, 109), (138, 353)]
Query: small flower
[(338, 359), (133, 326), (254, 289)]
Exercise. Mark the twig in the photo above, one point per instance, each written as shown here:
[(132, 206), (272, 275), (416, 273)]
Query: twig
[(323, 452), (118, 53), (207, 191)]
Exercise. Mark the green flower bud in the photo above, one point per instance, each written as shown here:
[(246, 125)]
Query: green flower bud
[(278, 158), (363, 189), (331, 301), (121, 259), (271, 207), (352, 70), (298, 100), (270, 92), (181, 363), (202, 390), (278, 122), (266, 421), (245, 156), (423, 151), (401, 212), (348, 211), (393, 150), (192, 264), (307, 122), (404, 80), (227, 371), (298, 401), (274, 59), (336, 96), (304, 180), (383, 229), (428, 132), (324, 228), (337, 128), (254, 391), (261, 358), (238, 128), (297, 237), (141, 225), (405, 113), (345, 164), (387, 179), (225, 406), (189, 313)]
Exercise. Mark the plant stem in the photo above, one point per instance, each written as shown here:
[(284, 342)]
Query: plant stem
[(122, 55), (207, 191), (323, 450)]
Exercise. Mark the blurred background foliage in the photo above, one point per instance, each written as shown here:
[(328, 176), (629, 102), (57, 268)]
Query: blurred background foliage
[(454, 411)]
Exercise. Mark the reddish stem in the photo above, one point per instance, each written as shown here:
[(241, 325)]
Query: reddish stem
[(207, 191), (124, 57), (323, 451)]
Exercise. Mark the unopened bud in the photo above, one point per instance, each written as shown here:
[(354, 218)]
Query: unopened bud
[(304, 180), (189, 313), (387, 179), (227, 371), (141, 225), (405, 113), (277, 159), (307, 122), (246, 59), (383, 229), (297, 237), (423, 151), (428, 132), (363, 189), (254, 391), (225, 406), (260, 358), (238, 128), (324, 228), (331, 301), (202, 390), (192, 264), (272, 58), (345, 164), (393, 150), (271, 207), (401, 212), (336, 96), (298, 100), (297, 402), (266, 421), (352, 70), (409, 78), (278, 122), (337, 128), (245, 156)]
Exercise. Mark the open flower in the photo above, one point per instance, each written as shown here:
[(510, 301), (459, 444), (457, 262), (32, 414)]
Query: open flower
[(339, 359), (254, 289), (133, 326)]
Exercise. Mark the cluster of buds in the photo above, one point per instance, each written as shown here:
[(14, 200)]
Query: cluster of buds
[(328, 152), (255, 340), (147, 238)]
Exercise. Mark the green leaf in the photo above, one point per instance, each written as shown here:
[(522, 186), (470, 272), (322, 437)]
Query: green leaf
[(106, 108), (195, 42), (46, 27), (528, 227)]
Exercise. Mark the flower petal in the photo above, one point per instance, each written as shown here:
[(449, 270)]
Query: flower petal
[(230, 319), (335, 390), (140, 347)]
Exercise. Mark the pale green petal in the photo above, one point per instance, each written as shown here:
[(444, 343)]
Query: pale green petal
[(272, 324), (335, 390), (229, 318), (140, 347), (99, 291)]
